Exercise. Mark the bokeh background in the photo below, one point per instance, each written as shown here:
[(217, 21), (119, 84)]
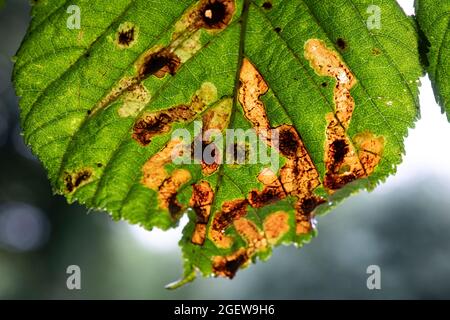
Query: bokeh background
[(404, 227)]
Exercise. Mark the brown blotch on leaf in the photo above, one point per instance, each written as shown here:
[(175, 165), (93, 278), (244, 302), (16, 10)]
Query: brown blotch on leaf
[(299, 176), (267, 5), (228, 266), (201, 201), (215, 14), (203, 148), (342, 161), (154, 124), (305, 213), (153, 170), (276, 225), (167, 195), (159, 64), (341, 44), (126, 35), (75, 180), (160, 122), (288, 141), (252, 87), (230, 212), (273, 190)]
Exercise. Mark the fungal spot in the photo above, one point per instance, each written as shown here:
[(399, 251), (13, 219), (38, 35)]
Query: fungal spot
[(168, 192), (99, 165), (267, 5), (201, 201), (126, 35), (136, 97), (153, 124), (158, 64), (74, 180), (228, 266), (230, 212), (324, 84), (341, 44), (342, 162), (215, 14), (277, 29), (276, 225)]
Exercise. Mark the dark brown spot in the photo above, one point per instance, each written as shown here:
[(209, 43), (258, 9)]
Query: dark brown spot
[(231, 211), (308, 205), (339, 149), (267, 5), (126, 37), (99, 165), (158, 123), (288, 142), (145, 129), (73, 181), (174, 207), (228, 266), (159, 64), (216, 14), (277, 29), (341, 44), (324, 84), (335, 182), (265, 197), (201, 201)]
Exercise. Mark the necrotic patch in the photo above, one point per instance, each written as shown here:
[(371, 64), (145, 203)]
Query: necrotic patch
[(201, 201), (73, 181), (298, 177), (343, 163), (276, 225), (228, 266), (231, 211), (126, 35), (152, 124)]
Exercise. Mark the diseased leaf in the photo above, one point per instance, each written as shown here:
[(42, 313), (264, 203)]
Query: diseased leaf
[(434, 20), (328, 87)]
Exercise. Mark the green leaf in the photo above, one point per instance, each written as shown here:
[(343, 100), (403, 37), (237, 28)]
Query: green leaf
[(434, 20), (335, 81)]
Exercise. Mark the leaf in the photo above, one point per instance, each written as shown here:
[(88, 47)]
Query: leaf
[(330, 88), (433, 17)]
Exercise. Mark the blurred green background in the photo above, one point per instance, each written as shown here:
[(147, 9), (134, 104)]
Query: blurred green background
[(403, 227)]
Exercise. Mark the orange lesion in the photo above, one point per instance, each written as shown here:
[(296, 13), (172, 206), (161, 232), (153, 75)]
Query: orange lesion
[(156, 177), (343, 162), (276, 225), (299, 176), (230, 212), (201, 202)]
